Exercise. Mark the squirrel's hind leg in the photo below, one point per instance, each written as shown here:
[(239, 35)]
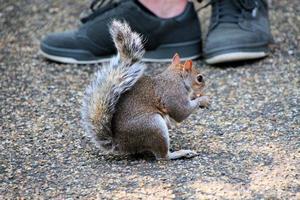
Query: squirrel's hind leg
[(159, 142), (152, 134)]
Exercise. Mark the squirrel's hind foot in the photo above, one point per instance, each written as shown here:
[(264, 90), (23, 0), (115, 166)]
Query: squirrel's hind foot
[(181, 154)]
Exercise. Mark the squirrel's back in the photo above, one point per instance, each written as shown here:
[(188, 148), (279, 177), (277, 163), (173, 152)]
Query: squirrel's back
[(102, 95)]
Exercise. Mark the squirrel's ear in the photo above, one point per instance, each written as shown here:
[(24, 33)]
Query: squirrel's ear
[(176, 59), (188, 65)]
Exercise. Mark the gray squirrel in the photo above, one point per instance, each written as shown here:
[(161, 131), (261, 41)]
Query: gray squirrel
[(128, 112)]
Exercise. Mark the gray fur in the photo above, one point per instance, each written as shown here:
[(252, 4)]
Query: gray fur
[(128, 43), (110, 82)]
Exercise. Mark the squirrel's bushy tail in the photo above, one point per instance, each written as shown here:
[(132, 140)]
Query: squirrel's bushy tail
[(102, 95)]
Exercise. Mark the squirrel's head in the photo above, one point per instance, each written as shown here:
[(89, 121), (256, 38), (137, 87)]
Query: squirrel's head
[(191, 75)]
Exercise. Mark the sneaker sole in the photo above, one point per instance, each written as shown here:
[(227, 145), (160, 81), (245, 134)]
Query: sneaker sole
[(69, 60), (164, 53), (240, 54), (236, 56)]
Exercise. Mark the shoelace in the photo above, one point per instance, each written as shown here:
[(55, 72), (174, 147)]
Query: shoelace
[(229, 11), (98, 3), (98, 7)]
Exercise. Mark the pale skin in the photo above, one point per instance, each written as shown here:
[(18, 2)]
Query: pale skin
[(165, 8)]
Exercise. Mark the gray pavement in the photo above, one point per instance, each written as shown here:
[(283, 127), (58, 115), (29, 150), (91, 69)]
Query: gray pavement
[(249, 140)]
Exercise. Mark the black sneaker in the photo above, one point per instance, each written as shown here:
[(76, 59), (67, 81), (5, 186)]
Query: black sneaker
[(239, 30), (92, 43)]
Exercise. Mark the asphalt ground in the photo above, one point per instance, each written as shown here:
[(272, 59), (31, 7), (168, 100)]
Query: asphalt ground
[(249, 139)]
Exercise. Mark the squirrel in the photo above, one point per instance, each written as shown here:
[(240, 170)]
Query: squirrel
[(125, 111)]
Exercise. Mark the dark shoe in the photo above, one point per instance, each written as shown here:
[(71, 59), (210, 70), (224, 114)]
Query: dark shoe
[(92, 43), (239, 30)]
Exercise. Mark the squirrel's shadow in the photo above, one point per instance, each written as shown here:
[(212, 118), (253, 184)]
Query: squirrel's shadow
[(145, 156)]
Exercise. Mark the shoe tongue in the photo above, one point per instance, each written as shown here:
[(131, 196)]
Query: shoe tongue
[(246, 4), (229, 10)]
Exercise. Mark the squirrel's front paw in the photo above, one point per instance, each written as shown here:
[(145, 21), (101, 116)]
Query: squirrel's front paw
[(204, 101)]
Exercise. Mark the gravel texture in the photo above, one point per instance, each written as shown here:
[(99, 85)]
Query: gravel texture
[(248, 140)]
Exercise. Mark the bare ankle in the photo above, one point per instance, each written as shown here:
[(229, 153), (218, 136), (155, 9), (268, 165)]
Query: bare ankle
[(165, 8)]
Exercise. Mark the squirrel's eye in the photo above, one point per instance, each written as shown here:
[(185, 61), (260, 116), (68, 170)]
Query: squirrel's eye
[(200, 78)]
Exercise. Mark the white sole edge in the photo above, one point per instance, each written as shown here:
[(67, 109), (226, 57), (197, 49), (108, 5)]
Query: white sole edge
[(103, 60), (72, 60), (237, 56)]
